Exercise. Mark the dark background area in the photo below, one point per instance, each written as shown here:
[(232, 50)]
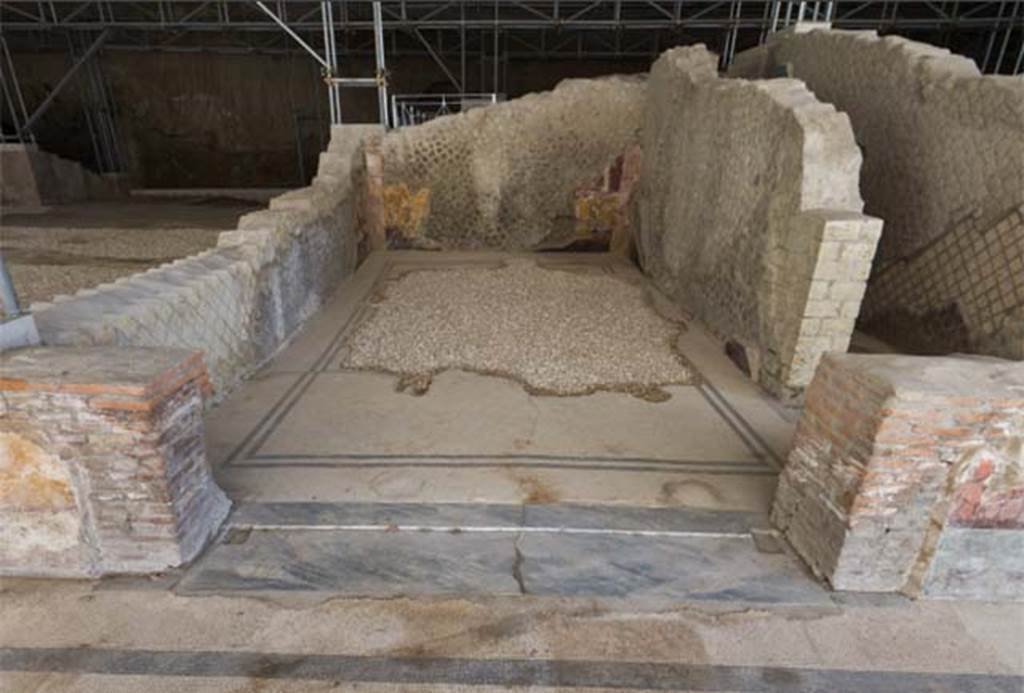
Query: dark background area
[(231, 109)]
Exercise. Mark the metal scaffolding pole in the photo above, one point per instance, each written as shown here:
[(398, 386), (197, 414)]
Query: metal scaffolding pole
[(288, 30), (331, 49), (325, 13), (15, 100), (41, 109), (382, 76), (1006, 39)]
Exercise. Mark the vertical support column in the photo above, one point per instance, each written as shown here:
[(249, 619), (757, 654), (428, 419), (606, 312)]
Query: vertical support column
[(776, 8), (462, 45), (328, 27), (495, 46), (382, 83)]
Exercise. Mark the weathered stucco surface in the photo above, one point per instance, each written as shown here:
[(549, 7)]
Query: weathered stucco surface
[(506, 176), (943, 149), (748, 213), (39, 513), (906, 474)]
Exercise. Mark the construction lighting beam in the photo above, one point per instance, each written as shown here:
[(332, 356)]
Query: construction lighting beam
[(48, 101)]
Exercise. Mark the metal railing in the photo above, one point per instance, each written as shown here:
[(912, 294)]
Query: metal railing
[(413, 109)]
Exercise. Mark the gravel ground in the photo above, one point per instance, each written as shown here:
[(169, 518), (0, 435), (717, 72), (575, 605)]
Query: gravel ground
[(557, 332), (45, 262), (65, 248)]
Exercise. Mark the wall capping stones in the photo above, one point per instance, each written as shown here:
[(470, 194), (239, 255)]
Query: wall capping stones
[(907, 475), (771, 251), (102, 463)]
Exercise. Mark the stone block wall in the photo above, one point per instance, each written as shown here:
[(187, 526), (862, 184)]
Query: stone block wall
[(30, 177), (942, 144), (240, 302), (505, 176), (102, 463), (907, 474), (748, 213)]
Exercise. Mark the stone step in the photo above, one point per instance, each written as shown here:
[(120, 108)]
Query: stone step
[(410, 549), (568, 517)]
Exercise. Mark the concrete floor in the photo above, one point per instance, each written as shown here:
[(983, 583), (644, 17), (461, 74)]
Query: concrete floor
[(64, 248), (479, 537)]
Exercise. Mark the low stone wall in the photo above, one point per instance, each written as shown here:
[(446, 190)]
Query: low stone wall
[(943, 147), (748, 213), (510, 176), (907, 474), (30, 177), (102, 464), (240, 302)]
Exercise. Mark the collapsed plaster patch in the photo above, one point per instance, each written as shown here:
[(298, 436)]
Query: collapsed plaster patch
[(38, 512), (557, 332), (30, 478)]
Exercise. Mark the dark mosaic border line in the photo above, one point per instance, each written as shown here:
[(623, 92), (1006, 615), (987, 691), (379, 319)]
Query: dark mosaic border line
[(655, 676), (272, 419)]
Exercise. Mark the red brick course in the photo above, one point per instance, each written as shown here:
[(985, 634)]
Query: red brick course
[(883, 446), (126, 426)]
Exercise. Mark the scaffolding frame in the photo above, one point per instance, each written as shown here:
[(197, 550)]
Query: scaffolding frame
[(504, 29), (493, 30)]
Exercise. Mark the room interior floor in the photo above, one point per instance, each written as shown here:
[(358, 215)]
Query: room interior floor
[(352, 480)]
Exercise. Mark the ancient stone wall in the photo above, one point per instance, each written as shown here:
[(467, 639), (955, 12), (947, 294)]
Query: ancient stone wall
[(748, 213), (906, 475), (507, 176), (102, 463), (240, 302), (943, 147), (30, 177)]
